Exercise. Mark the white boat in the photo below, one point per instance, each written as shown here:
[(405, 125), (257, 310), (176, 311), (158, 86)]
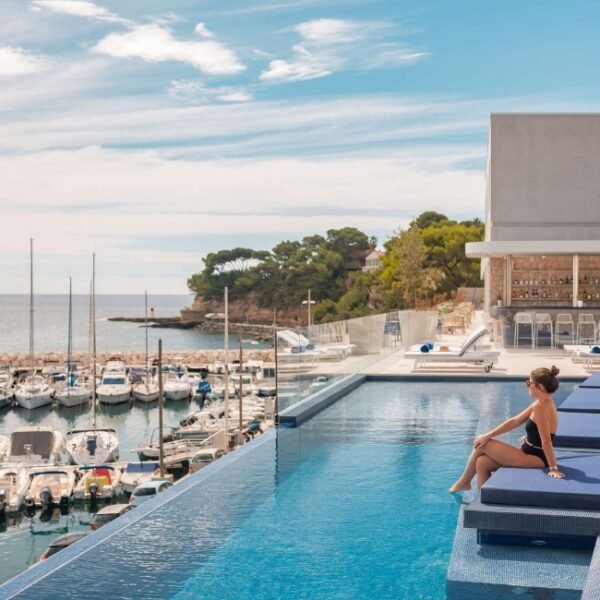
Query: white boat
[(14, 482), (98, 482), (92, 446), (175, 388), (73, 393), (4, 446), (49, 487), (6, 396), (34, 445), (114, 387), (136, 473), (34, 391), (148, 389)]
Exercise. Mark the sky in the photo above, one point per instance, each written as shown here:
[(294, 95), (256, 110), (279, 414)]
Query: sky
[(153, 132)]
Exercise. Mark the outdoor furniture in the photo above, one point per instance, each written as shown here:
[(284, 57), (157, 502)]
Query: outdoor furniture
[(586, 325), (465, 353), (581, 400), (543, 321), (564, 330), (578, 430), (523, 319)]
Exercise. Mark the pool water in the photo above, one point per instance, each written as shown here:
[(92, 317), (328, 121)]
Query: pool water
[(352, 504), (365, 514)]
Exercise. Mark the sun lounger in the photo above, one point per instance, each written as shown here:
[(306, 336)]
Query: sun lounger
[(465, 353), (532, 487), (588, 355), (582, 400), (578, 430), (593, 381)]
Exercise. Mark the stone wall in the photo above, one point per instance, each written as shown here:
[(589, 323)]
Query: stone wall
[(187, 357)]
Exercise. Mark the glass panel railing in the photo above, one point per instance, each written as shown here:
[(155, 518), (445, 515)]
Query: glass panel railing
[(311, 359)]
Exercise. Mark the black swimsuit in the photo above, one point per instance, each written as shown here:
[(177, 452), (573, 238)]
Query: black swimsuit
[(533, 442)]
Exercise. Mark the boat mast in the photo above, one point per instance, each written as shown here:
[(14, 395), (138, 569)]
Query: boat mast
[(146, 327), (70, 337), (31, 305), (226, 344), (94, 340)]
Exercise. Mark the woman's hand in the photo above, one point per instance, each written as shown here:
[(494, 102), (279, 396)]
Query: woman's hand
[(481, 441), (556, 474)]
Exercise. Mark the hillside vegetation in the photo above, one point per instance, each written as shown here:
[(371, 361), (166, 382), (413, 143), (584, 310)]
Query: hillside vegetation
[(421, 265)]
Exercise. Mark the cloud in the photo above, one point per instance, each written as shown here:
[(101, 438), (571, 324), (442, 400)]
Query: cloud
[(203, 31), (153, 43), (330, 45), (16, 61), (77, 8), (197, 91), (146, 195)]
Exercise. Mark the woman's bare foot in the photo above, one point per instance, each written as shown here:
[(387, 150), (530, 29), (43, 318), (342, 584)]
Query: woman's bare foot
[(459, 486)]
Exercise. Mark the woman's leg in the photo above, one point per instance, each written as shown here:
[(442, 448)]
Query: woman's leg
[(503, 454), (485, 466)]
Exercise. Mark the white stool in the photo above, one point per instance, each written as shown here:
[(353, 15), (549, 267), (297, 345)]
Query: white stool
[(564, 326), (543, 320), (525, 319), (586, 322)]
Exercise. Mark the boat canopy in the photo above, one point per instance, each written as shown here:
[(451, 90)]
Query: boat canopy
[(40, 442), (142, 467)]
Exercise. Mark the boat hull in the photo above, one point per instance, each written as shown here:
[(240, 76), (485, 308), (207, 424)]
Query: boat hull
[(105, 450), (33, 400), (145, 393), (72, 397), (114, 395), (182, 393)]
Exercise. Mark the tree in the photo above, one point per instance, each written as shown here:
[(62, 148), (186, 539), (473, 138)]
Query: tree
[(428, 218), (405, 275)]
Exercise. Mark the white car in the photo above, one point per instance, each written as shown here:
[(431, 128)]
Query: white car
[(147, 490), (204, 457)]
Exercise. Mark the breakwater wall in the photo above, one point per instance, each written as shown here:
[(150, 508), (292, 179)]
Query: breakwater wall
[(187, 357)]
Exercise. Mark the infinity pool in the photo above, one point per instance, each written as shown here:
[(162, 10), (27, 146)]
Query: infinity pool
[(352, 504)]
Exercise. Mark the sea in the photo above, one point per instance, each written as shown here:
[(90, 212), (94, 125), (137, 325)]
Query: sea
[(25, 537), (51, 324)]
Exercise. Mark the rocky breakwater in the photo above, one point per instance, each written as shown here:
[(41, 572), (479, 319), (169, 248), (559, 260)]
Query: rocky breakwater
[(187, 357)]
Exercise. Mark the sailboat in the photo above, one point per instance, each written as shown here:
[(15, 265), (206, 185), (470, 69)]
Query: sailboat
[(34, 391), (92, 446), (147, 390), (74, 393)]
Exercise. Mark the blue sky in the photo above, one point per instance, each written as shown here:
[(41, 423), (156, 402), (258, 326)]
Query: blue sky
[(154, 132)]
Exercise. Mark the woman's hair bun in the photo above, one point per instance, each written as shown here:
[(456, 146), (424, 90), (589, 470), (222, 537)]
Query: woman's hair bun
[(554, 371)]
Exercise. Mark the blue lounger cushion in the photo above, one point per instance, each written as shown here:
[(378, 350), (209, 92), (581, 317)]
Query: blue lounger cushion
[(585, 400), (578, 430), (593, 381), (533, 487)]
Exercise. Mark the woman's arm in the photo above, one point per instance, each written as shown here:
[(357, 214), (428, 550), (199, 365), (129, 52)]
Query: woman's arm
[(542, 420), (505, 427)]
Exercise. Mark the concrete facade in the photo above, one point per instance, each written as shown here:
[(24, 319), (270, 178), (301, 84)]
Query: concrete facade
[(543, 177)]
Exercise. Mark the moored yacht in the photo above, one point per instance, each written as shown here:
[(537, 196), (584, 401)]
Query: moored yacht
[(14, 482), (34, 445), (50, 487), (115, 387), (34, 391), (175, 388), (92, 446), (98, 482)]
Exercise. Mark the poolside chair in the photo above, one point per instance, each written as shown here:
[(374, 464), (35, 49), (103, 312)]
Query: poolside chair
[(465, 353)]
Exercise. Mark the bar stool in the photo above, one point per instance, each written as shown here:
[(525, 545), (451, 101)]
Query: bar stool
[(586, 320), (525, 319), (564, 326), (541, 321)]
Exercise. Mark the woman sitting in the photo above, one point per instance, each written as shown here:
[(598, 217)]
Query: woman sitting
[(536, 452)]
